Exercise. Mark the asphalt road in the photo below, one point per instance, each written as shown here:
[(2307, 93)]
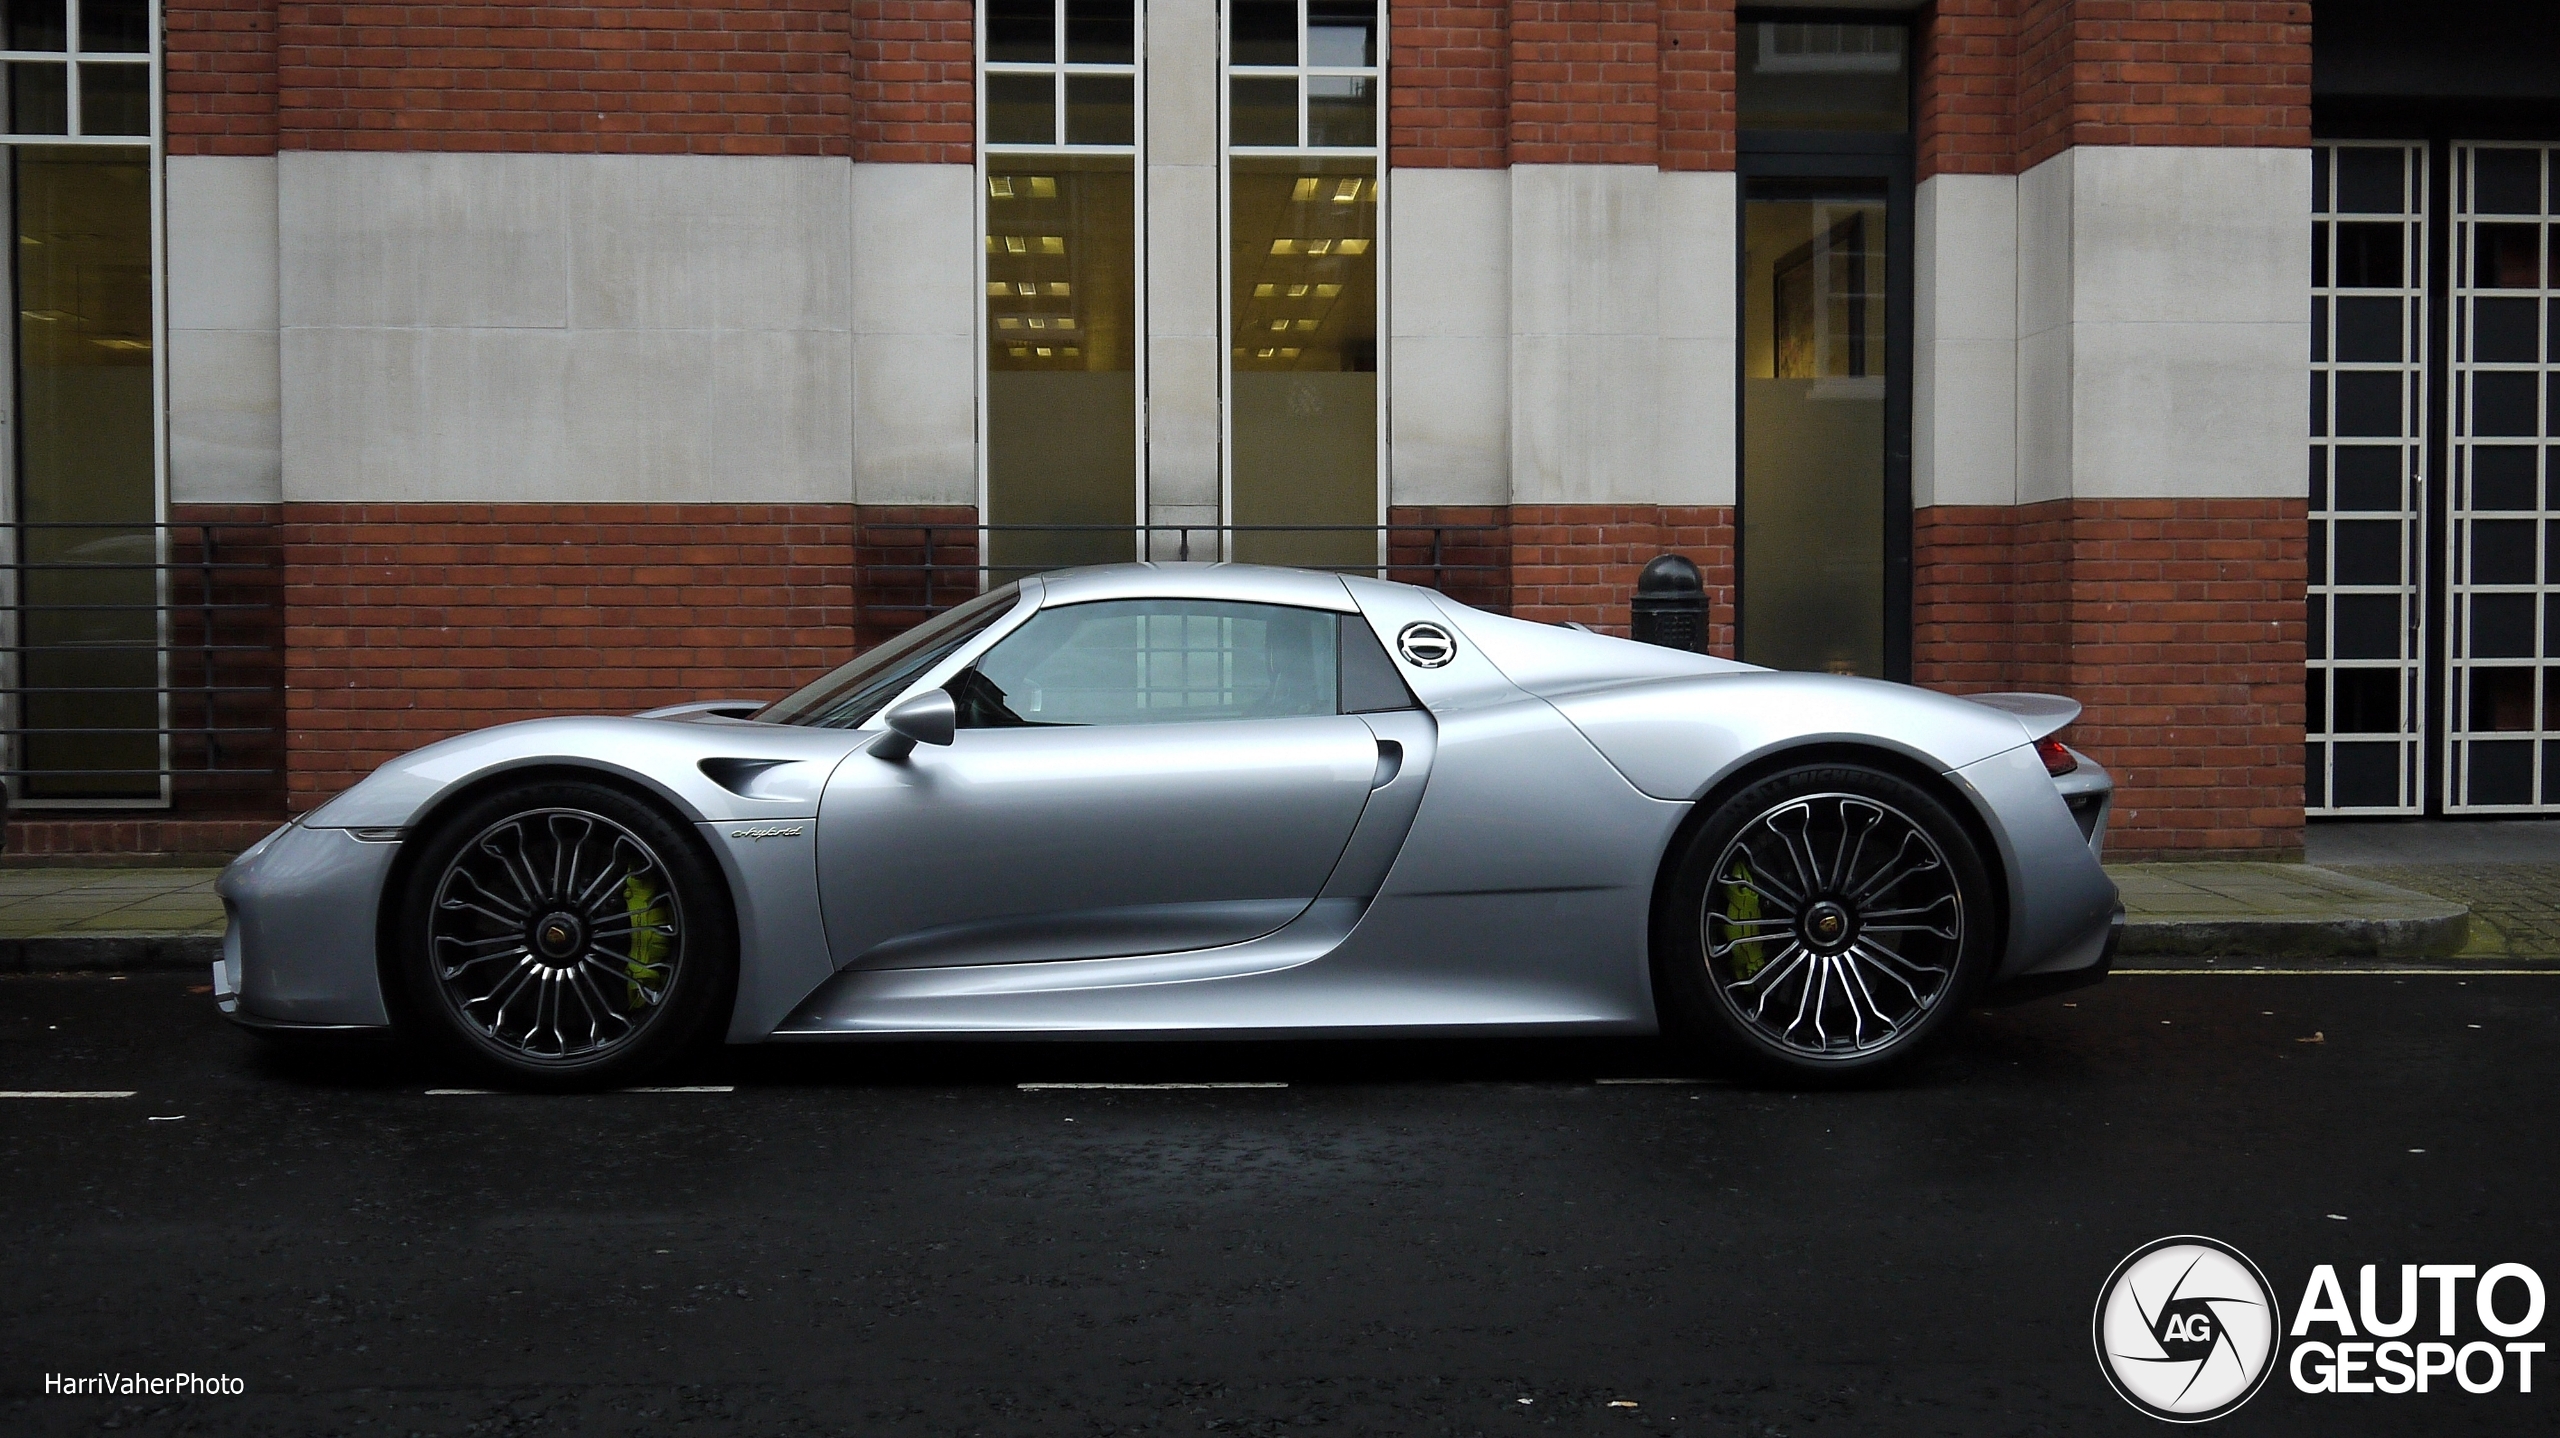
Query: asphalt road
[(1453, 1238)]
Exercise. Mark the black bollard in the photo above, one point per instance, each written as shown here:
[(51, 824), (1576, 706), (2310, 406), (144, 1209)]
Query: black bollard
[(1670, 607)]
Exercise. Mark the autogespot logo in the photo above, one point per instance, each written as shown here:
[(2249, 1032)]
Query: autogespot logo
[(2186, 1328)]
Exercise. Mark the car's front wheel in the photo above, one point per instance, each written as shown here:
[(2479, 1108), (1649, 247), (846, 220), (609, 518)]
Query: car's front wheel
[(1822, 924), (563, 935)]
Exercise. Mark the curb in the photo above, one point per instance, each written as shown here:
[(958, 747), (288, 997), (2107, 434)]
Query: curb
[(109, 953), (2423, 935)]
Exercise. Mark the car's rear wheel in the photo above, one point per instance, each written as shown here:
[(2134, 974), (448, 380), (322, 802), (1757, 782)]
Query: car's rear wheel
[(563, 935), (1822, 924)]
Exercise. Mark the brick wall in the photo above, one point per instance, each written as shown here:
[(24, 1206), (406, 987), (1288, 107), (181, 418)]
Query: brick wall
[(218, 65), (1583, 82), (1964, 75), (915, 82), (2162, 72), (2178, 623), (733, 77), (1578, 562), (406, 623), (1697, 84), (1449, 85)]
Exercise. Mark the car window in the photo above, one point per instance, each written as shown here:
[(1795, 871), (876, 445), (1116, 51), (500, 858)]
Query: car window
[(850, 695), (1154, 661)]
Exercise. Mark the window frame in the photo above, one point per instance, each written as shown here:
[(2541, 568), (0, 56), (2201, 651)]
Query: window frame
[(1228, 153), (982, 152), (153, 144)]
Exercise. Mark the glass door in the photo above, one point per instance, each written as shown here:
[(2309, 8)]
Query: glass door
[(1823, 507), (1813, 425)]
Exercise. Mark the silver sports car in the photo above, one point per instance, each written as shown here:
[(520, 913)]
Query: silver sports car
[(1195, 800)]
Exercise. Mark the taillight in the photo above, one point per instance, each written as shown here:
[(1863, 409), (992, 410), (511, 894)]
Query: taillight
[(2056, 756)]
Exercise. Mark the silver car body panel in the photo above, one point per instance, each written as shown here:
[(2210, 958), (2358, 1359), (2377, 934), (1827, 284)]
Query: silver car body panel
[(1486, 860), (304, 908)]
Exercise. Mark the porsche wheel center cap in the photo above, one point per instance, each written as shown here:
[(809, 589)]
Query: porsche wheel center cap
[(1827, 926), (558, 936)]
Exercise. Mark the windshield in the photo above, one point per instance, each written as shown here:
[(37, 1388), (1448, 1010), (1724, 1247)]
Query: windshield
[(848, 697)]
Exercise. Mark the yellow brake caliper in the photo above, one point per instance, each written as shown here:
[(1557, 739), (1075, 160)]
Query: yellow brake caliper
[(1742, 906), (642, 905)]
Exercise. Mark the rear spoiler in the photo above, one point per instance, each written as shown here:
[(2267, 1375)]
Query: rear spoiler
[(2042, 713)]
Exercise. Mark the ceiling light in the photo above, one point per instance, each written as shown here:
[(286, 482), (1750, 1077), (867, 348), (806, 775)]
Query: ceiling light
[(998, 287), (1318, 247), (1264, 354), (1279, 324), (1289, 353), (1027, 288), (1070, 352), (1066, 322), (1038, 323), (1306, 324), (1008, 323), (1043, 188), (1016, 245), (1306, 189), (1057, 287), (1326, 292), (1053, 244), (1264, 292), (1352, 247), (1019, 352), (999, 187), (1297, 292), (1346, 192), (1044, 352), (1284, 247)]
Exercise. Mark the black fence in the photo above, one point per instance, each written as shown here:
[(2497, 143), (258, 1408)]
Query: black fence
[(143, 662), (913, 569)]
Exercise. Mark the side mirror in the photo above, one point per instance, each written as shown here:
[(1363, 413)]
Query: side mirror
[(928, 718)]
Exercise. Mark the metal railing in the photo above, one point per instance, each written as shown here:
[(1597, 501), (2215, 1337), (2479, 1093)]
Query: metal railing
[(911, 569), (140, 660)]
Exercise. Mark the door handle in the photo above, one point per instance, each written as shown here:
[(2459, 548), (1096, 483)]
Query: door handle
[(1390, 763)]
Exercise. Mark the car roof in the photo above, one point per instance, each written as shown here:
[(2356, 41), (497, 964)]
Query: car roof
[(1242, 583)]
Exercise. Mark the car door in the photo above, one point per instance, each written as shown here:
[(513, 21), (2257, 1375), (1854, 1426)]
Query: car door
[(1130, 776)]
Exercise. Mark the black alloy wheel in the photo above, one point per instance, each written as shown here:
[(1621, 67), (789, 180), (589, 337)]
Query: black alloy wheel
[(1822, 924), (563, 935)]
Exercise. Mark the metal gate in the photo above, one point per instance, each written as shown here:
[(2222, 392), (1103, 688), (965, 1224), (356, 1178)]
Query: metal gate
[(2364, 694), (2502, 564)]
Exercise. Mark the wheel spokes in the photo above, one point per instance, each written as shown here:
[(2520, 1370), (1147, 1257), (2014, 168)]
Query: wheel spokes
[(1864, 915), (556, 934)]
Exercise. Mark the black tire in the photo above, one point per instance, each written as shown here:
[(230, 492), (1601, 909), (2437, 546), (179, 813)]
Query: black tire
[(1822, 925), (562, 935)]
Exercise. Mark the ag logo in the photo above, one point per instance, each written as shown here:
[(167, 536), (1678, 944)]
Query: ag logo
[(1425, 646), (2186, 1328)]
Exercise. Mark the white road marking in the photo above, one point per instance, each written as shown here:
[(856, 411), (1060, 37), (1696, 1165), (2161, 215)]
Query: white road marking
[(164, 1118), (1037, 1087), (667, 1088), (2551, 972), (67, 1093), (1654, 1080)]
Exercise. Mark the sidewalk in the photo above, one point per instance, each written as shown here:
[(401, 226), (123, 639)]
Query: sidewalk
[(63, 919), (2370, 891)]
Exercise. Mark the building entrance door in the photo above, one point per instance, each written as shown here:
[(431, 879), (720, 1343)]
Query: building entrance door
[(1824, 502)]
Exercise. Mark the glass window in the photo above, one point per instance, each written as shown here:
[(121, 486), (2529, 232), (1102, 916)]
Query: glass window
[(1155, 661), (1303, 232), (1824, 76), (847, 697), (1061, 283), (1813, 426)]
